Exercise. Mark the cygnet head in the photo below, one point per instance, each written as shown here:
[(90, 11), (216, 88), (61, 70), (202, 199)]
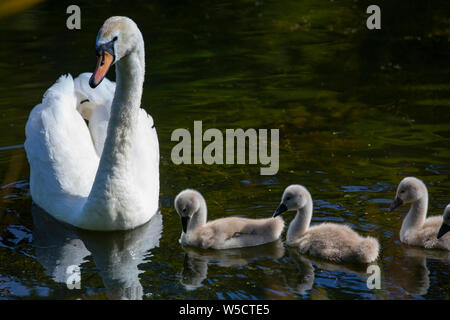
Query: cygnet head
[(445, 224), (409, 190), (117, 38), (294, 197), (187, 203)]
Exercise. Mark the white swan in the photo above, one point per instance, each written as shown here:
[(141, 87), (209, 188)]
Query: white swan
[(330, 241), (416, 229), (224, 233), (105, 176)]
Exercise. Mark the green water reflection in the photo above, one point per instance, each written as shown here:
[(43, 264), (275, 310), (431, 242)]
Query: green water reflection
[(357, 111)]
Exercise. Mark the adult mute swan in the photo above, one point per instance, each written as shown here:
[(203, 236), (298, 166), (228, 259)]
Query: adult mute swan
[(105, 176), (416, 229), (224, 233), (330, 241)]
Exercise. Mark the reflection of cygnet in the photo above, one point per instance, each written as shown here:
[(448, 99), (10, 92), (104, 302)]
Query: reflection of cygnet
[(306, 273), (409, 269), (330, 241), (304, 281), (117, 254), (416, 229), (195, 268), (225, 233), (417, 281)]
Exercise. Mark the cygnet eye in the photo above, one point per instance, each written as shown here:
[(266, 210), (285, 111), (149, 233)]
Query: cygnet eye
[(115, 38), (402, 191), (288, 198), (184, 210)]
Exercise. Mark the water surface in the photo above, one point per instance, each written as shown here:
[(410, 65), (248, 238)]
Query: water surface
[(357, 110)]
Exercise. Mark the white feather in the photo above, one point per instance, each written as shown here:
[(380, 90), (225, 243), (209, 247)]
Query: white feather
[(104, 176)]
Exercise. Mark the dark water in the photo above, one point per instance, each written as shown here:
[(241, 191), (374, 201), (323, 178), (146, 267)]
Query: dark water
[(357, 111)]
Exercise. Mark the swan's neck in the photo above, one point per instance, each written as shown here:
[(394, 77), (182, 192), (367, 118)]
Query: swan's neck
[(416, 215), (198, 219), (301, 222), (113, 181), (124, 113), (130, 72)]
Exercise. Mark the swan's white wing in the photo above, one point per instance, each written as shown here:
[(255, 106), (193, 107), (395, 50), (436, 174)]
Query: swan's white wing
[(62, 157), (95, 106), (64, 154), (146, 162)]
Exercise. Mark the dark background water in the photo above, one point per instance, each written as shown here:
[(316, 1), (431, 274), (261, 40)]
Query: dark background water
[(357, 110)]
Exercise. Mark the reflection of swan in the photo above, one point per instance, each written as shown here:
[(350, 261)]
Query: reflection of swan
[(330, 241), (105, 176), (116, 254), (416, 229), (225, 233), (409, 269), (196, 261)]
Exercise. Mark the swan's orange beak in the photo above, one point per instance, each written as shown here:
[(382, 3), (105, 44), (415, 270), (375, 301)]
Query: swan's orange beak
[(104, 62)]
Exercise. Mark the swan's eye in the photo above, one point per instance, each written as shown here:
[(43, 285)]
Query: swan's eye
[(402, 191), (184, 210), (288, 198), (115, 38)]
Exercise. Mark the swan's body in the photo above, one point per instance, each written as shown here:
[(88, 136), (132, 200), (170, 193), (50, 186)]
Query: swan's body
[(417, 229), (105, 176), (330, 241), (224, 233)]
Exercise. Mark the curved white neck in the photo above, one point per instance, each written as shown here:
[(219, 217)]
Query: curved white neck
[(116, 162), (416, 215), (130, 71), (301, 222), (198, 219)]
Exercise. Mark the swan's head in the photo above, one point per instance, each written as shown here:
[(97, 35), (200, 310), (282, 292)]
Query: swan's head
[(294, 197), (187, 203), (117, 38), (409, 190), (445, 224)]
